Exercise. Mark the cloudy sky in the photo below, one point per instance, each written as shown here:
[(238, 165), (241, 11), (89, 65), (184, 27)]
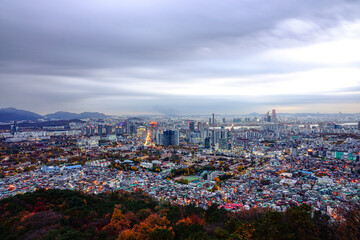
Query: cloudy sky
[(182, 57)]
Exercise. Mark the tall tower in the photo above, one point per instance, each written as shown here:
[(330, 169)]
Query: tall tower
[(14, 128), (267, 117), (213, 118), (273, 115), (191, 126)]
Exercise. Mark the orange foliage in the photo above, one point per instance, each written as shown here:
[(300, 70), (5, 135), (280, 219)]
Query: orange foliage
[(119, 221), (245, 231), (142, 231), (193, 219)]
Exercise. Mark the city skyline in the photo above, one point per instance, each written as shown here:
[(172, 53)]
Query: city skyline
[(180, 57)]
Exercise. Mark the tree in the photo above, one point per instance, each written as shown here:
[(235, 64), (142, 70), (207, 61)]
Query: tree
[(301, 222), (350, 228), (243, 232), (143, 230), (161, 234), (118, 221)]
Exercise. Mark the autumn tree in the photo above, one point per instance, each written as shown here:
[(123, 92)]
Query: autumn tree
[(143, 230)]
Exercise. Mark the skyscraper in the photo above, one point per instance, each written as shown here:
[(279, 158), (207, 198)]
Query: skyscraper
[(213, 118), (223, 144), (273, 115), (191, 126), (170, 138), (14, 128), (200, 126), (100, 129), (267, 117), (207, 143)]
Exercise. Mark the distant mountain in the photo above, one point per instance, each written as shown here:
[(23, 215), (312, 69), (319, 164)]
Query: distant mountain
[(92, 115), (68, 115), (135, 119), (13, 114)]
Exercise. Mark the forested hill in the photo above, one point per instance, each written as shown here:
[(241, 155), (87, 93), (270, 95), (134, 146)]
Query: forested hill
[(65, 214)]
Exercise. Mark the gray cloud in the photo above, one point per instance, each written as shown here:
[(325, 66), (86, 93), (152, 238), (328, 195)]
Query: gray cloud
[(83, 55)]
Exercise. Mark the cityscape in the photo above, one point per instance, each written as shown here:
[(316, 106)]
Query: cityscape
[(270, 160), (180, 120), (262, 161)]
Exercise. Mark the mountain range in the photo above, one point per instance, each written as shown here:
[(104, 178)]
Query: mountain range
[(13, 114), (68, 115)]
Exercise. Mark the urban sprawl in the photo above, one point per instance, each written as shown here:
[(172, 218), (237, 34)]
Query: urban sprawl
[(236, 162)]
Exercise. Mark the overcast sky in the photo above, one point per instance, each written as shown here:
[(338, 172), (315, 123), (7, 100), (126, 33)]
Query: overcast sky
[(182, 57)]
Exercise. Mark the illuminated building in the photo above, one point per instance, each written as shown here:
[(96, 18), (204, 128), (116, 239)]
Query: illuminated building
[(191, 126), (153, 125), (141, 132), (153, 128)]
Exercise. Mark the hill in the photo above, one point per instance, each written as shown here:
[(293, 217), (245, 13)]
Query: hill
[(68, 115), (13, 114), (64, 214)]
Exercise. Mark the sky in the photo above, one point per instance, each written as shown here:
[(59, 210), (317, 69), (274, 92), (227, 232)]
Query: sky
[(180, 56)]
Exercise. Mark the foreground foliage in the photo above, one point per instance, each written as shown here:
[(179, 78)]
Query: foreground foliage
[(65, 214)]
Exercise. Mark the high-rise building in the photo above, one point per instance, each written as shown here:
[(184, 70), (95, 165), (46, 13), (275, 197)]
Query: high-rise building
[(141, 132), (14, 127), (273, 115), (223, 144), (100, 129), (223, 132), (200, 126), (133, 129), (120, 129), (191, 126), (89, 130), (267, 117), (207, 143), (228, 135), (213, 118), (153, 125), (213, 137), (195, 137), (108, 129), (170, 138), (126, 126), (93, 130)]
